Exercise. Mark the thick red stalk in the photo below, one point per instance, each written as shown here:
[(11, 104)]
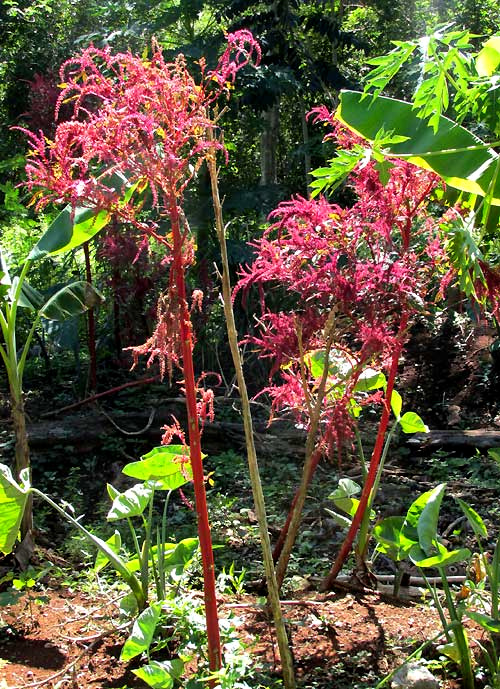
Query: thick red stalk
[(374, 464), (211, 614)]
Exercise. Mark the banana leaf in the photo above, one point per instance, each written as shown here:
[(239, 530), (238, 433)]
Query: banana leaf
[(461, 159), (75, 226)]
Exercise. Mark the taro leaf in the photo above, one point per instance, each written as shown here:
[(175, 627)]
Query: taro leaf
[(177, 561), (457, 156), (128, 607), (115, 543), (347, 488), (13, 499), (413, 515), (443, 558), (476, 522), (451, 651), (71, 300), (391, 539), (370, 380), (142, 633), (428, 519), (131, 503), (168, 466), (488, 58), (72, 228), (488, 623), (160, 674), (396, 404), (411, 422)]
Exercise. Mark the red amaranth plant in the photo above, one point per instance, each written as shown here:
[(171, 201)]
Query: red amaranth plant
[(350, 279), (149, 120)]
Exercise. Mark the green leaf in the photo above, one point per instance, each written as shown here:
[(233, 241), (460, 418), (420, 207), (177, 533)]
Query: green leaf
[(160, 674), (494, 453), (396, 403), (444, 557), (346, 489), (488, 58), (413, 515), (71, 300), (391, 539), (131, 503), (340, 519), (428, 519), (168, 465), (468, 169), (115, 543), (476, 522), (181, 557), (142, 633), (451, 651), (488, 623), (411, 422), (13, 499), (72, 228), (370, 380)]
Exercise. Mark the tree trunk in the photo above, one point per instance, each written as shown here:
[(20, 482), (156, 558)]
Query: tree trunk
[(22, 457), (268, 146)]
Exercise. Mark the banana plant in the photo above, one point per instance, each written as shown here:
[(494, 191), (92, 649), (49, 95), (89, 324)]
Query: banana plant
[(15, 292)]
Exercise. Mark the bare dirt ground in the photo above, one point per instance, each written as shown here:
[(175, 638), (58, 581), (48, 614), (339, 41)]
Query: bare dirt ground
[(339, 639)]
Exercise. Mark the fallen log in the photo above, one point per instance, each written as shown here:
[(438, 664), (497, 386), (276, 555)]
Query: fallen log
[(480, 438)]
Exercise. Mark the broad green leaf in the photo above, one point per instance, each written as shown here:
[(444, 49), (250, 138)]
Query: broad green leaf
[(160, 674), (391, 539), (370, 380), (443, 558), (115, 543), (428, 519), (411, 422), (134, 564), (169, 465), (346, 489), (396, 403), (181, 557), (488, 623), (488, 58), (338, 366), (413, 515), (450, 651), (347, 505), (131, 503), (142, 633), (72, 228), (476, 522), (12, 503), (457, 156), (30, 297), (71, 300)]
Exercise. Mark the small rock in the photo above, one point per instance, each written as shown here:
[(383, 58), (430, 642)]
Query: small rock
[(414, 676)]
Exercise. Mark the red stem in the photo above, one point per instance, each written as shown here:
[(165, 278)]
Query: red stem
[(91, 325), (178, 277), (374, 464)]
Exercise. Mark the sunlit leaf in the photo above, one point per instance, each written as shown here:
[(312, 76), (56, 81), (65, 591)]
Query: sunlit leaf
[(411, 422), (115, 543), (160, 674), (142, 633), (13, 499), (168, 465), (474, 519), (131, 503), (488, 58), (428, 519), (457, 156)]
